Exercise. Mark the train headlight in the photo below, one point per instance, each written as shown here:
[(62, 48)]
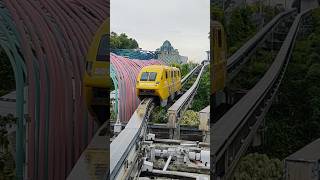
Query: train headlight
[(100, 71), (157, 83)]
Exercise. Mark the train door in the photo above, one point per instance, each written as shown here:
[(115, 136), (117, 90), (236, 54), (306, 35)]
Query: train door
[(176, 81), (173, 84), (179, 80), (169, 80), (163, 81)]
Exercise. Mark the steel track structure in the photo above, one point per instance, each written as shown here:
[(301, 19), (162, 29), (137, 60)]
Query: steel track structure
[(124, 148), (46, 42), (232, 134), (235, 63)]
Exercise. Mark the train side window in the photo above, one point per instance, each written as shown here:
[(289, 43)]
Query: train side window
[(103, 49), (219, 38), (166, 74), (144, 76)]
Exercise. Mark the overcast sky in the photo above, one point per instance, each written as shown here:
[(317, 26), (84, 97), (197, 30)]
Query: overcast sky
[(185, 23)]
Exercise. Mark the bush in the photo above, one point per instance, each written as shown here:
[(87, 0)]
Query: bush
[(190, 118), (159, 115), (258, 167)]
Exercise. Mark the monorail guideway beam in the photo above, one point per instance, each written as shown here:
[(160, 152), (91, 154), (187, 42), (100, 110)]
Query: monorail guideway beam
[(223, 71), (125, 148), (234, 132), (176, 111)]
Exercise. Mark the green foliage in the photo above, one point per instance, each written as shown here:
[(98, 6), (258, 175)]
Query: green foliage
[(113, 116), (4, 121), (176, 65), (159, 115), (202, 98), (258, 167), (184, 68), (122, 41), (216, 13), (190, 118), (240, 28), (7, 81), (7, 163)]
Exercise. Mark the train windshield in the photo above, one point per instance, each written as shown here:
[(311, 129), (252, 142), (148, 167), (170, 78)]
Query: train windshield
[(144, 76), (148, 76), (103, 50), (152, 76)]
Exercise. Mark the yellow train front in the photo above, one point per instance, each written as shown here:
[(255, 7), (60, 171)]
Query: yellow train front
[(163, 82)]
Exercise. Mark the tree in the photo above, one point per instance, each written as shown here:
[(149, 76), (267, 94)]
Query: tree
[(7, 163), (7, 81), (122, 41), (159, 115), (201, 99), (190, 118), (258, 167), (184, 68), (240, 28)]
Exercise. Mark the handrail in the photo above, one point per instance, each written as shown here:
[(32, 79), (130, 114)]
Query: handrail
[(186, 77), (122, 145)]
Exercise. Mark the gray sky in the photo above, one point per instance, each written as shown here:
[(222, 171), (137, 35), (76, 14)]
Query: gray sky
[(185, 23)]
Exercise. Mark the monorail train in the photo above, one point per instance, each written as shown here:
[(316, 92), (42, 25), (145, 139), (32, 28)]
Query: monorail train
[(96, 80), (219, 54), (163, 82)]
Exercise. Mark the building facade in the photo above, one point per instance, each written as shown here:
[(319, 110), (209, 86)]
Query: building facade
[(170, 55)]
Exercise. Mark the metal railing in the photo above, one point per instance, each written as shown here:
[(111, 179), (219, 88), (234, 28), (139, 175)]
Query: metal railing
[(186, 77)]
